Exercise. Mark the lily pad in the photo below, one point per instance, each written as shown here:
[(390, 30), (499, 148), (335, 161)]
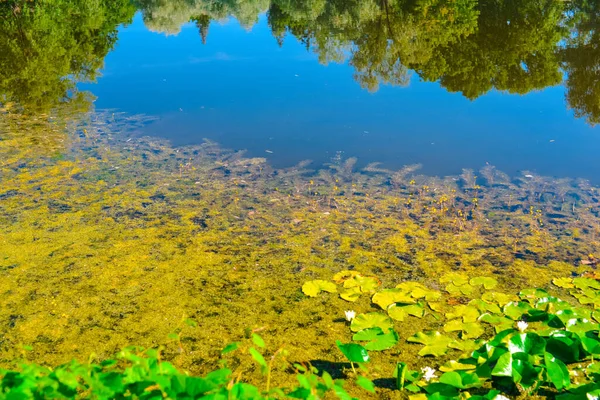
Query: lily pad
[(466, 346), (353, 352), (371, 320), (457, 290), (455, 278), (313, 288), (435, 343), (565, 283), (351, 294), (454, 365), (377, 338), (469, 330), (398, 312), (386, 297), (367, 284), (342, 276), (436, 306), (467, 313), (419, 291), (499, 322), (487, 282), (515, 310), (584, 283), (484, 306), (497, 298)]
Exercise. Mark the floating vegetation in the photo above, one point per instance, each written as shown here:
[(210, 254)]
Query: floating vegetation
[(111, 239)]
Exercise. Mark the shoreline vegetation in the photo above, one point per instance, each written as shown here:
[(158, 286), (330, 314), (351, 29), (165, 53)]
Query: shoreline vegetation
[(111, 239)]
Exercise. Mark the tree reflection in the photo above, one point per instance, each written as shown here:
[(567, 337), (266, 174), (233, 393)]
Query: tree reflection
[(46, 47)]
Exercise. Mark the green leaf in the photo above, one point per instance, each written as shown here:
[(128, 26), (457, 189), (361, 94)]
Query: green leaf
[(435, 343), (385, 297), (557, 371), (460, 379), (259, 359), (378, 340), (313, 288), (400, 375), (371, 320), (351, 294), (258, 340), (470, 330), (190, 322), (500, 323), (515, 310), (398, 313), (498, 298), (529, 343), (467, 313), (455, 278), (584, 283), (419, 291), (487, 282), (367, 284), (353, 352), (365, 384), (565, 283), (230, 347)]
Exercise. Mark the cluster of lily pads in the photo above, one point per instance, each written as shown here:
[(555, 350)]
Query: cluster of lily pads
[(507, 345)]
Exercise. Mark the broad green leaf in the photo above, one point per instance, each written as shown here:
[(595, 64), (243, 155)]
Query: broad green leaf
[(566, 283), (259, 359), (378, 340), (584, 283), (371, 320), (351, 294), (313, 288), (454, 365), (459, 290), (460, 379), (342, 276), (487, 282), (353, 352), (385, 297), (258, 340), (466, 346), (497, 298), (435, 343), (230, 347), (500, 323), (398, 313), (367, 284), (485, 307), (529, 343), (365, 384), (467, 313), (455, 278), (557, 371), (419, 291), (515, 310), (469, 330)]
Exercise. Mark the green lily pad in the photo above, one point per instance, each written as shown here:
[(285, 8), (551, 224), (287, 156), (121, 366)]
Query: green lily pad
[(313, 288), (435, 343), (565, 283), (371, 320), (378, 340), (460, 379), (353, 352), (515, 310), (342, 276), (487, 282), (399, 312), (351, 294), (533, 294), (467, 313), (458, 290), (367, 284), (419, 291), (499, 322), (584, 283), (469, 330), (484, 306), (436, 306), (385, 297), (497, 298), (454, 365)]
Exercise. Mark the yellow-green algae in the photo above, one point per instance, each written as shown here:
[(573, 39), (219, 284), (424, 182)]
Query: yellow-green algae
[(109, 239)]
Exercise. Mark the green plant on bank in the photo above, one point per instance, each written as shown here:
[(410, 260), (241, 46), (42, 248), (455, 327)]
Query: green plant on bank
[(512, 345)]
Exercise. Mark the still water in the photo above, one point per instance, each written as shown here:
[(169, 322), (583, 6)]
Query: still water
[(290, 98)]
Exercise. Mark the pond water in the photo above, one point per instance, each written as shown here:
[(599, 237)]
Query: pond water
[(153, 169), (247, 90)]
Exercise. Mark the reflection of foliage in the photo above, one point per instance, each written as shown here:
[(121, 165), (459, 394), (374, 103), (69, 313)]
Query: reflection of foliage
[(47, 45), (513, 50), (582, 61)]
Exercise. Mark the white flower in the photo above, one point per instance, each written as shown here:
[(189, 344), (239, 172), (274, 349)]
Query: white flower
[(592, 397), (501, 397), (350, 315), (522, 325), (428, 373)]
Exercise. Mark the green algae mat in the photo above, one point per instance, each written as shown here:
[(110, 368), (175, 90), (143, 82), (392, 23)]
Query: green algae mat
[(388, 283)]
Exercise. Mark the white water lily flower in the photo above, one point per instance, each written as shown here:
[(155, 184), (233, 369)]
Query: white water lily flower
[(501, 397), (428, 373), (350, 315), (592, 397), (522, 325)]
